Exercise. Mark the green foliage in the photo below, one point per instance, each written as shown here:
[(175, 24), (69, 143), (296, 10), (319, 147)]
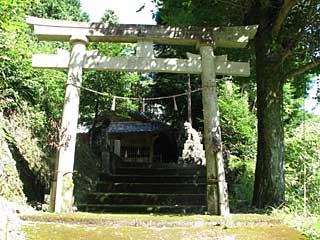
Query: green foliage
[(30, 100), (11, 12), (109, 83), (197, 13), (18, 100), (240, 177), (309, 226), (285, 50), (14, 67), (303, 167), (238, 125), (33, 99), (87, 171), (293, 115), (19, 82), (109, 17), (57, 9), (171, 84)]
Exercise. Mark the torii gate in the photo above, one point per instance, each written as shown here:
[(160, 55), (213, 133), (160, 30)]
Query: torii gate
[(206, 64)]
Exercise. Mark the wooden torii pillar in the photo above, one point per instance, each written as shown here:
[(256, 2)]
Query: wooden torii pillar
[(208, 65)]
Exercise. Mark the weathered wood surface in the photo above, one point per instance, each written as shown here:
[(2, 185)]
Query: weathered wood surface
[(142, 64), (60, 30)]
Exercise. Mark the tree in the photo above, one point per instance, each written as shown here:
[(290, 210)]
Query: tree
[(57, 9), (286, 48), (109, 17)]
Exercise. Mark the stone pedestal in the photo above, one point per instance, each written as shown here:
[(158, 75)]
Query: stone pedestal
[(193, 153)]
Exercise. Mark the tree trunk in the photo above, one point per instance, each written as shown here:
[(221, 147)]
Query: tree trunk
[(269, 176)]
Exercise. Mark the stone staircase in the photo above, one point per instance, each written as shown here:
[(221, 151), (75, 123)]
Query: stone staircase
[(145, 188)]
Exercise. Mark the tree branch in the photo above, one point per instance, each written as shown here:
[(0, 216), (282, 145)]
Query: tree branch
[(289, 45), (283, 13), (304, 68)]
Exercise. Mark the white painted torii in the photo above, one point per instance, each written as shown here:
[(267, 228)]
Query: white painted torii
[(206, 64)]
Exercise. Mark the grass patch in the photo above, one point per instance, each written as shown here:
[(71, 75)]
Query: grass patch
[(309, 225)]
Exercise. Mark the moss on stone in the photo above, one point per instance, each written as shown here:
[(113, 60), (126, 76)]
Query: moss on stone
[(51, 231), (143, 226), (91, 218)]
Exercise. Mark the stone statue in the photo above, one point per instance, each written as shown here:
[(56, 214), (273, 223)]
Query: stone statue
[(191, 133), (193, 149)]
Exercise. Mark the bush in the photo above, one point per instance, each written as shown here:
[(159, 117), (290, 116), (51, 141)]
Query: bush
[(239, 134), (303, 167), (309, 226), (87, 169)]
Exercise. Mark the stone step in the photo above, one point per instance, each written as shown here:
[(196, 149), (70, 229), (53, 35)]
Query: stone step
[(146, 199), (122, 208), (147, 188), (159, 165), (186, 188), (153, 178), (197, 170)]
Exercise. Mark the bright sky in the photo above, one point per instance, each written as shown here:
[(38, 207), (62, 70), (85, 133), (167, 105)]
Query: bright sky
[(310, 104), (124, 9)]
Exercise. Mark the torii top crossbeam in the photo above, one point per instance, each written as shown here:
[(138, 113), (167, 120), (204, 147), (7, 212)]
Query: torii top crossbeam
[(59, 30)]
